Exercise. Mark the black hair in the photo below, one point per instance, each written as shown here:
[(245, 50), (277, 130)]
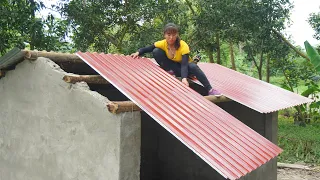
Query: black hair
[(171, 27)]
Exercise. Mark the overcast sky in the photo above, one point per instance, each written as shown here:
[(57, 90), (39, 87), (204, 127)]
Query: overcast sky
[(300, 30)]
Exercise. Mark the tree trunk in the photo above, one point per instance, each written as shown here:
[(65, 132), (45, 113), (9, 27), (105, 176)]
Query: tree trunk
[(268, 68), (256, 64), (190, 6), (232, 56), (218, 49), (260, 73), (260, 66), (33, 31), (210, 53), (290, 45)]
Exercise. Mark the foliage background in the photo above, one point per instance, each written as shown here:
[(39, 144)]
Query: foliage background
[(246, 36)]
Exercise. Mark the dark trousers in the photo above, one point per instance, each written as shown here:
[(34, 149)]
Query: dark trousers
[(193, 69)]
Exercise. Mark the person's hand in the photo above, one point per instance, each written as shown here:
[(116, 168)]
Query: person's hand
[(185, 81), (135, 55)]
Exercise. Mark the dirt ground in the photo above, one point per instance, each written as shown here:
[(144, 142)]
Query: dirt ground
[(298, 174)]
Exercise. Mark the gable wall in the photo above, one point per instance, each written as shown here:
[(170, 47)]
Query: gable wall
[(50, 129)]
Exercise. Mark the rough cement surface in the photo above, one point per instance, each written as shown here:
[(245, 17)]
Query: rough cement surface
[(53, 130), (130, 136)]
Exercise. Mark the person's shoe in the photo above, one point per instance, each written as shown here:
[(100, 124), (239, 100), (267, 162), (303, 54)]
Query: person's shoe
[(214, 92)]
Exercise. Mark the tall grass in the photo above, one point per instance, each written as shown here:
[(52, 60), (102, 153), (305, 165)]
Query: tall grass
[(300, 144)]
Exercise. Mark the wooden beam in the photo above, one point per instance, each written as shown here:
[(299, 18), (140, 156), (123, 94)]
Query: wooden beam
[(117, 107), (54, 56), (90, 79), (293, 166), (2, 73), (215, 99)]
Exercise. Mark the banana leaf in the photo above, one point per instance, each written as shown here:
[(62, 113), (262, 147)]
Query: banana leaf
[(313, 55), (311, 90)]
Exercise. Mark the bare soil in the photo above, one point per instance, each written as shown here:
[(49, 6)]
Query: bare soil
[(298, 174)]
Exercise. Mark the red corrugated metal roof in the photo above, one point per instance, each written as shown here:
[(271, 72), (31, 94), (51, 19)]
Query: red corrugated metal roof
[(225, 143), (253, 93)]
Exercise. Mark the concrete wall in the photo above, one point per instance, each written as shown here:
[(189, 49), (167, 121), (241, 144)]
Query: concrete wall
[(52, 130), (163, 157)]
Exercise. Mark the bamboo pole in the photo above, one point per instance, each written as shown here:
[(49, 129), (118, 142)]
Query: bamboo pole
[(90, 79), (54, 56), (117, 107)]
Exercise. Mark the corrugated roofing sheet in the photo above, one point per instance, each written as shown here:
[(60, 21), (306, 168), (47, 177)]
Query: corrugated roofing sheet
[(225, 143), (253, 93), (11, 58)]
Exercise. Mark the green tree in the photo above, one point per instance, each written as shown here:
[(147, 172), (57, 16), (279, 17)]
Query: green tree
[(314, 21), (120, 26), (19, 25), (210, 19), (262, 17), (150, 31), (55, 34), (250, 22)]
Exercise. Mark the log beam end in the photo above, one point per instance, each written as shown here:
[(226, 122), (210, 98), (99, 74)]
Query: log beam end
[(31, 55), (67, 79), (113, 107), (2, 73), (90, 79)]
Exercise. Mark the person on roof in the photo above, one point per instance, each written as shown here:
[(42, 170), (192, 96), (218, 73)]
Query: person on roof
[(172, 54)]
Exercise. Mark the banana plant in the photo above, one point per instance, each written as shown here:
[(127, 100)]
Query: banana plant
[(311, 111)]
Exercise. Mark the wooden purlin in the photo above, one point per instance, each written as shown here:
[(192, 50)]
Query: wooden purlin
[(17, 55), (90, 79), (54, 56), (117, 107)]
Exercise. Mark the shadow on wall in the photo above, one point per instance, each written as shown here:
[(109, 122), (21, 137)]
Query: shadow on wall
[(164, 157)]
